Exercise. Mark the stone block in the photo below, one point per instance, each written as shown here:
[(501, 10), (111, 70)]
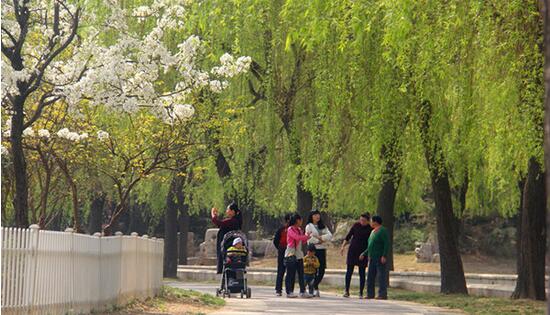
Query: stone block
[(252, 235), (342, 229), (258, 248)]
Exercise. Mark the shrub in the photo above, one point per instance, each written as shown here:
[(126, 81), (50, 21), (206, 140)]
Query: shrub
[(405, 237)]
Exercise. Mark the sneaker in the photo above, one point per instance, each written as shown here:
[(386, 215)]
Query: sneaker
[(291, 295), (278, 294), (316, 293), (305, 295), (346, 294), (361, 296)]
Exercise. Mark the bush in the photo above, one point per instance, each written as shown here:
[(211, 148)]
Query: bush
[(405, 237)]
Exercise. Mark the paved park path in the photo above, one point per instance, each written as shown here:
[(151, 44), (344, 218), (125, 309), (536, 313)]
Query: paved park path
[(264, 301)]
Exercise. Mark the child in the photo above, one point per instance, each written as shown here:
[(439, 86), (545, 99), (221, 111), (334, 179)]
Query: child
[(311, 264), (237, 249)]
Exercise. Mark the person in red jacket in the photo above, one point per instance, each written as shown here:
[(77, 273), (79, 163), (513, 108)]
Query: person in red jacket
[(280, 243), (233, 221)]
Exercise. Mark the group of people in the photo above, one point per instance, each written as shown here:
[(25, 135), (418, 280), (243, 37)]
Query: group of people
[(368, 248), (289, 241)]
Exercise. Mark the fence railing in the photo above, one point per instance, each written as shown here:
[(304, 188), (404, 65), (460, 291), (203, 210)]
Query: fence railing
[(47, 272)]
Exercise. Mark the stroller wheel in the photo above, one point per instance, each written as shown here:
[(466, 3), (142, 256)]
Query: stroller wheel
[(217, 292), (248, 293)]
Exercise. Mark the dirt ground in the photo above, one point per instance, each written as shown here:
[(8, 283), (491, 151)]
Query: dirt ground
[(172, 308), (173, 301), (406, 262)]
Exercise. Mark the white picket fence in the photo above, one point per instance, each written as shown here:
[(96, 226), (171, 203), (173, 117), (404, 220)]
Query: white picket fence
[(48, 272)]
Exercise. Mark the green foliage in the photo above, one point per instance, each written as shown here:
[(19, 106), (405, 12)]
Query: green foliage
[(405, 238), (366, 66)]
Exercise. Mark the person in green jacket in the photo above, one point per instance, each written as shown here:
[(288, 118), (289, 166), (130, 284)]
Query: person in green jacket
[(377, 253)]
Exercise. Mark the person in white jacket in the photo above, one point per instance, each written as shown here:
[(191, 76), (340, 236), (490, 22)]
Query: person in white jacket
[(320, 236)]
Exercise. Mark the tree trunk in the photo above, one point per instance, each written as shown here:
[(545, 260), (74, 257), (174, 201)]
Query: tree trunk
[(386, 206), (387, 193), (96, 212), (184, 230), (21, 196), (247, 208), (304, 199), (171, 227), (531, 257), (452, 271), (545, 12), (461, 196), (116, 213), (44, 196)]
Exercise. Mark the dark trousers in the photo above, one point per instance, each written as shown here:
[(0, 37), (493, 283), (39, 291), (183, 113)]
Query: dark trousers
[(349, 273), (219, 260), (291, 270), (377, 268), (309, 279), (280, 270), (322, 256)]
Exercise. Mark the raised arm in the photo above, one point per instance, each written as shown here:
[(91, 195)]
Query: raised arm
[(297, 236)]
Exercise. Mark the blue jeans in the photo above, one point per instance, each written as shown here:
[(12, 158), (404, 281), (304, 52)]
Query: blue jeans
[(309, 279), (377, 268)]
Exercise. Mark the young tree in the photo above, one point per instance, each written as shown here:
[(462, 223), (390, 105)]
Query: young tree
[(34, 35)]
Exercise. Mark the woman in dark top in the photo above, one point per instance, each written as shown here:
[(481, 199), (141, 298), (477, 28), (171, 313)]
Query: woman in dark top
[(233, 221), (359, 236)]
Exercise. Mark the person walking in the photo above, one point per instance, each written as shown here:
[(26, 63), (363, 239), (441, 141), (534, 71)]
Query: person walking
[(377, 252), (320, 237), (357, 238), (279, 240), (294, 257), (233, 221)]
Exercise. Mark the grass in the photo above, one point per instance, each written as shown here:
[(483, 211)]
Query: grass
[(471, 304), (170, 301)]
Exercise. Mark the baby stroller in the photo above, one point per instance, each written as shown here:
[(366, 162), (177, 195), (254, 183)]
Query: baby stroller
[(233, 278)]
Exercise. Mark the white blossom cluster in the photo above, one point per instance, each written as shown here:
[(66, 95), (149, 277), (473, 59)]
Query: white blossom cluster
[(40, 29), (231, 67), (128, 75), (63, 133), (102, 135)]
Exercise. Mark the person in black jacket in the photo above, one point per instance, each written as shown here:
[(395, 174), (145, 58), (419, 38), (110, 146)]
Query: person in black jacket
[(280, 243)]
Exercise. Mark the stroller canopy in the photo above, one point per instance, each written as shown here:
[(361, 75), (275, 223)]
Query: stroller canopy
[(230, 236)]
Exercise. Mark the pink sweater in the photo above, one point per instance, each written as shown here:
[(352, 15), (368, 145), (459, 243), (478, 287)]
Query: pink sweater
[(294, 235)]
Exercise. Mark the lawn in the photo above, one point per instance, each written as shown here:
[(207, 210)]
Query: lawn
[(471, 304), (172, 301)]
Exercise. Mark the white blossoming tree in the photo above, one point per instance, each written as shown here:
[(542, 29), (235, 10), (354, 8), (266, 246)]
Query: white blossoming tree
[(25, 92), (132, 75)]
